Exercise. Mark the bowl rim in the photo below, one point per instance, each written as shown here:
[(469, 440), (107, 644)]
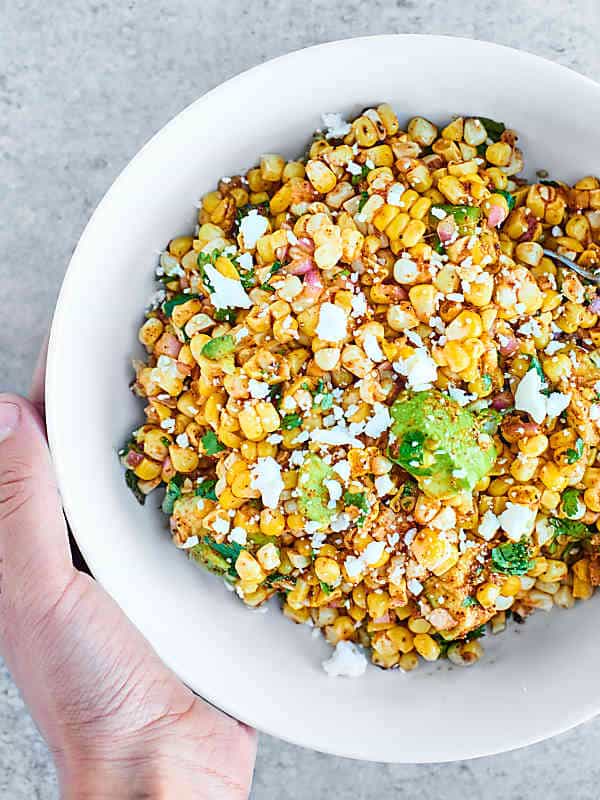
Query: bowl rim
[(591, 709)]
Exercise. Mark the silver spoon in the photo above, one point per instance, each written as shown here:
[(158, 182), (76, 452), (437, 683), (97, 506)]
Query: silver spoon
[(594, 277)]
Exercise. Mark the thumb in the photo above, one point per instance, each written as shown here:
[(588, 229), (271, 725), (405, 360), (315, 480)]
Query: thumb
[(35, 564)]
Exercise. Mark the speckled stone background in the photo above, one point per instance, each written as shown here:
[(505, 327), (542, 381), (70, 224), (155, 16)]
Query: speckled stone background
[(83, 84)]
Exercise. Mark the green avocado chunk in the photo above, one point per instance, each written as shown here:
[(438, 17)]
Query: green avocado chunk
[(442, 444), (313, 496)]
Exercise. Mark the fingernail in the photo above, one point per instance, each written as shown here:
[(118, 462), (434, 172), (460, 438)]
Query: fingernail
[(9, 419)]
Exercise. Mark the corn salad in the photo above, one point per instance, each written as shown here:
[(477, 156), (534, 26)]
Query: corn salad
[(369, 392)]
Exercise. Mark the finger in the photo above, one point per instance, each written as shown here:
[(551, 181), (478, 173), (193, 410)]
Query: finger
[(36, 393), (34, 554)]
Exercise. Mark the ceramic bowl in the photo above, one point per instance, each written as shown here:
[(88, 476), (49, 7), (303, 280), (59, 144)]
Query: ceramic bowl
[(534, 681)]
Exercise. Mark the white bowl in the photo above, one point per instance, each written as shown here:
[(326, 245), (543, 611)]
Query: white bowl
[(260, 667)]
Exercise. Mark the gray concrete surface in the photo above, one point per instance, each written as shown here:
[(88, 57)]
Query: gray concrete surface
[(83, 84)]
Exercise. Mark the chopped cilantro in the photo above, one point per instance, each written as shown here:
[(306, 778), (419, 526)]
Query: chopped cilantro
[(228, 550), (550, 183), (172, 494), (486, 381), (326, 587), (202, 261), (206, 488), (481, 148), (225, 315), (262, 208), (211, 444), (510, 200), (326, 401), (570, 502), (275, 267), (343, 273), (476, 633), (409, 489), (574, 454), (165, 441), (490, 420), (470, 601), (356, 179), (275, 393), (178, 300), (493, 128), (291, 421), (411, 453), (534, 363), (511, 558), (358, 499), (364, 196), (132, 482), (570, 527)]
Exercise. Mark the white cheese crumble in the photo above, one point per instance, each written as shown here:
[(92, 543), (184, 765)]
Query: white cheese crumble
[(460, 396), (488, 526), (347, 661), (182, 440), (238, 535), (336, 126), (394, 194), (529, 398), (341, 522), (372, 348), (379, 422), (354, 168), (340, 435), (221, 525), (438, 213), (372, 552), (419, 368), (191, 541), (359, 304), (414, 586), (343, 470), (333, 323), (252, 227), (228, 293), (517, 520), (258, 389), (266, 478), (553, 347), (335, 492), (383, 485), (595, 412)]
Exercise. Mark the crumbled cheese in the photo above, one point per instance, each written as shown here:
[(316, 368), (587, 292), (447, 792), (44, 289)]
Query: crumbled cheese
[(335, 492), (340, 435), (595, 412), (456, 297), (341, 522), (221, 525), (266, 478), (191, 541), (168, 425), (241, 334), (359, 304), (354, 168), (317, 541), (530, 328), (438, 213), (373, 552), (419, 368), (557, 403), (379, 422), (553, 347), (354, 566), (228, 293), (383, 485), (336, 126), (245, 261), (372, 348), (460, 396), (252, 227), (343, 470), (396, 574), (347, 661), (394, 194), (182, 440), (414, 338), (238, 535), (291, 237), (333, 323), (156, 299), (258, 389), (488, 526), (414, 586), (529, 397), (517, 520), (556, 231)]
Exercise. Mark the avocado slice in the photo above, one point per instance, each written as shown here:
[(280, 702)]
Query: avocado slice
[(313, 497), (442, 444)]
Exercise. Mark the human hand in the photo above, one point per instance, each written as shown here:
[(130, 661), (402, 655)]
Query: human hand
[(118, 722)]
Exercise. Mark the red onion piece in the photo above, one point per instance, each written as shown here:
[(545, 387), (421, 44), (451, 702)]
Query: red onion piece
[(502, 401), (133, 459)]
